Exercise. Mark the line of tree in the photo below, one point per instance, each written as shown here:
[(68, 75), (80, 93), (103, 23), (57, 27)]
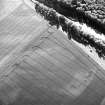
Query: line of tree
[(71, 10), (72, 30)]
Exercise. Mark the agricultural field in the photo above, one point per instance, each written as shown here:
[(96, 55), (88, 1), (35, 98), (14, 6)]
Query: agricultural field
[(39, 65)]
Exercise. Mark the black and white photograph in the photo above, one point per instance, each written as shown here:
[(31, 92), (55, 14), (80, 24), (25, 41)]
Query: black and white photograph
[(52, 52)]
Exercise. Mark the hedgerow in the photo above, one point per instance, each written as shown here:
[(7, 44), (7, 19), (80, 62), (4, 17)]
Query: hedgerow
[(80, 12), (70, 28)]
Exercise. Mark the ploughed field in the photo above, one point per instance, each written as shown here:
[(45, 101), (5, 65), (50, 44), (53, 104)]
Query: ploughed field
[(40, 66)]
